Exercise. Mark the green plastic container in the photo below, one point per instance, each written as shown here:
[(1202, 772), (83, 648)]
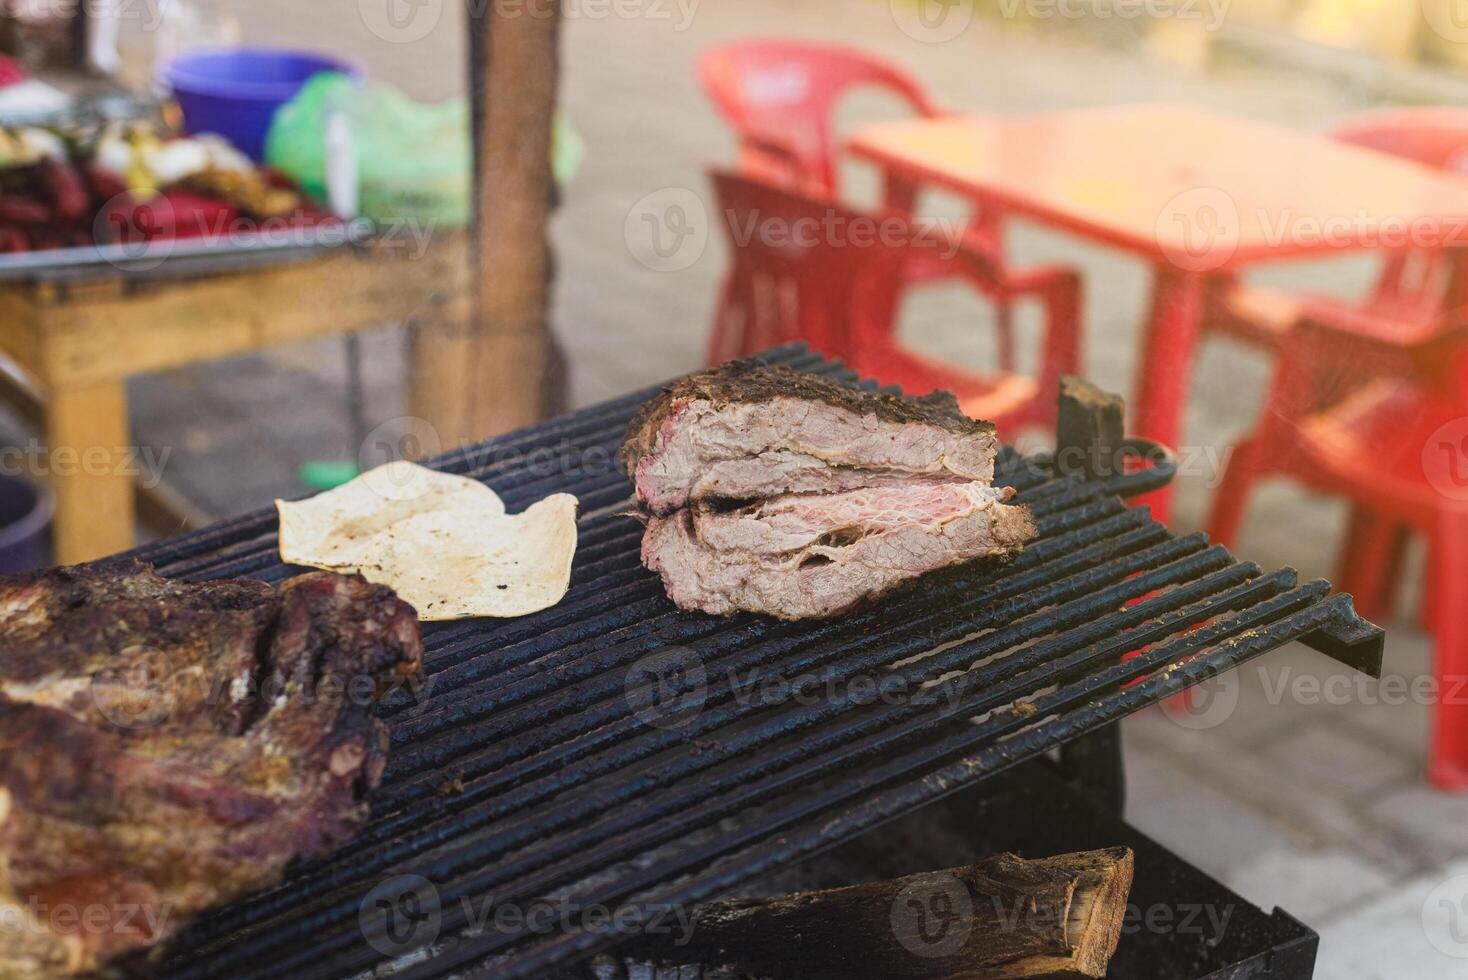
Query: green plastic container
[(414, 160)]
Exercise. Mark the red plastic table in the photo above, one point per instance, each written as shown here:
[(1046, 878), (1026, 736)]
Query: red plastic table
[(1193, 192)]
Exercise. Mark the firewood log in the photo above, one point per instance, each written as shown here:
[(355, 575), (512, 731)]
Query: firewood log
[(999, 919)]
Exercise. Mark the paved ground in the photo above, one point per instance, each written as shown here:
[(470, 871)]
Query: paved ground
[(1314, 802)]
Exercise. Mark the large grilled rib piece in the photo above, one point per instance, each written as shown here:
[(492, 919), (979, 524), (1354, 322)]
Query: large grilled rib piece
[(166, 747)]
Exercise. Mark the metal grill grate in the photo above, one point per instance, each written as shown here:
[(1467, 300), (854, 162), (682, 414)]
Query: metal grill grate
[(528, 770)]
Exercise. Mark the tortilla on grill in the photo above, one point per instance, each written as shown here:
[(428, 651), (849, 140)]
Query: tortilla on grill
[(444, 543)]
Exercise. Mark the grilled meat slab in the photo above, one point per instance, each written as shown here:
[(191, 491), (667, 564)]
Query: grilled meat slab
[(799, 557), (745, 431), (166, 747), (773, 492), (804, 524)]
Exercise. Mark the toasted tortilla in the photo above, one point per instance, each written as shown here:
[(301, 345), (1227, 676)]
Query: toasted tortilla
[(444, 543)]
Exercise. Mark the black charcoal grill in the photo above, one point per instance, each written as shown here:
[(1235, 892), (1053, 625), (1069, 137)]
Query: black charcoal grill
[(597, 753)]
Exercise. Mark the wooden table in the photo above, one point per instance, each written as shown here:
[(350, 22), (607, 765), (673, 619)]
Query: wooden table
[(78, 339), (1193, 192)]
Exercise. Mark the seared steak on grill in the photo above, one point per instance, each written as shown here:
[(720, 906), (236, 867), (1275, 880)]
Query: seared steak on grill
[(743, 431), (811, 556), (166, 747), (774, 492)]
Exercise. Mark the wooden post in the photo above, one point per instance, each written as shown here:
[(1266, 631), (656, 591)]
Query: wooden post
[(1003, 917), (520, 39)]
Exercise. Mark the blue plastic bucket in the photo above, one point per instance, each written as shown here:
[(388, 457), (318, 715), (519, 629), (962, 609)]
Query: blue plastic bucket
[(235, 92), (25, 516)]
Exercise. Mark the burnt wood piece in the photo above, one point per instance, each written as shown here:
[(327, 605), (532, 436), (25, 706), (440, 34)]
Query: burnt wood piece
[(1090, 430), (1002, 918)]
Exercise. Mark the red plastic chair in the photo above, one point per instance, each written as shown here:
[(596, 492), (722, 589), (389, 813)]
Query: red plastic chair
[(806, 268), (1397, 448), (1413, 278), (780, 97), (1410, 294)]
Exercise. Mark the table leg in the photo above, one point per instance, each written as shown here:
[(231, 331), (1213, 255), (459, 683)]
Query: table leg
[(91, 471), (1449, 564), (1166, 371), (899, 194)]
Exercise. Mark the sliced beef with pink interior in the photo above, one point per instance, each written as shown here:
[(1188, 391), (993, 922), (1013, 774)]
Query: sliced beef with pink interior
[(744, 432), (800, 521), (774, 492), (815, 556)]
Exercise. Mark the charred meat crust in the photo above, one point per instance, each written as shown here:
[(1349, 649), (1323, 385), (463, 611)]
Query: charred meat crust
[(751, 380), (180, 744)]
